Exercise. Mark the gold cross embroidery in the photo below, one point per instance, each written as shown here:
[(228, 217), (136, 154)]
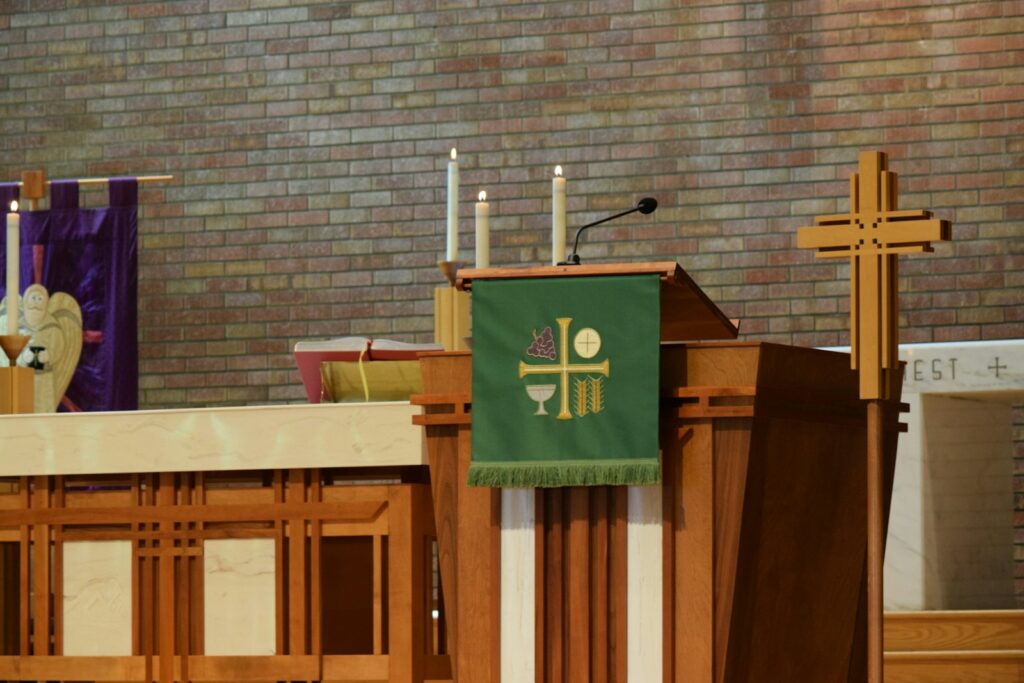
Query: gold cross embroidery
[(873, 234), (563, 367)]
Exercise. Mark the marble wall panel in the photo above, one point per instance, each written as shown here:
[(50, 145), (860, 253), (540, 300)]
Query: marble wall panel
[(97, 598), (950, 542), (239, 608)]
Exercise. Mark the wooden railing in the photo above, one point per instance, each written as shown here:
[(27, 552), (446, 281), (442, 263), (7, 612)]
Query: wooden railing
[(954, 647)]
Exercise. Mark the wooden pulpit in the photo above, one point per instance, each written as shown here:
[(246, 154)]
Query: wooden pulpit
[(761, 550)]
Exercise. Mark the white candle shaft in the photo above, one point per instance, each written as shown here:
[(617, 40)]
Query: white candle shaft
[(557, 220), (483, 235), (13, 247), (452, 252)]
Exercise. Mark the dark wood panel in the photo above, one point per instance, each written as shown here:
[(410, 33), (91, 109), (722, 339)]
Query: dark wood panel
[(731, 456), (686, 311), (577, 588), (9, 599), (600, 627)]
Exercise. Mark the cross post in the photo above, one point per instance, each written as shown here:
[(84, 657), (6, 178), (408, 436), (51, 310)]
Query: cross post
[(563, 368)]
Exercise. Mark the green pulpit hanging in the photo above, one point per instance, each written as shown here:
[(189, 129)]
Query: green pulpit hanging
[(565, 381)]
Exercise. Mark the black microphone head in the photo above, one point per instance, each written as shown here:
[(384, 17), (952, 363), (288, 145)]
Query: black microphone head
[(647, 205)]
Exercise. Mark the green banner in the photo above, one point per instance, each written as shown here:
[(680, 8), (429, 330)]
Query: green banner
[(565, 381)]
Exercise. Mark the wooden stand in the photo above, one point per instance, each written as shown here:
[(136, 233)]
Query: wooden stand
[(451, 318), (17, 394), (451, 312), (763, 546), (17, 388)]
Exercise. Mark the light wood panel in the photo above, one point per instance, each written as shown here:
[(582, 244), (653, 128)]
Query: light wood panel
[(960, 630), (955, 647), (968, 666), (212, 439)]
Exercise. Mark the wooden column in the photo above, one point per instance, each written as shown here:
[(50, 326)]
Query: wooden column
[(467, 522), (298, 632), (407, 645), (41, 571), (577, 570), (165, 589), (694, 554)]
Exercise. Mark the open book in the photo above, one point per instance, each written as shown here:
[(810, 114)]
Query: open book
[(310, 354)]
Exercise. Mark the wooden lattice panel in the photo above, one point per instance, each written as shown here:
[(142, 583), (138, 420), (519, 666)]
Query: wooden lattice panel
[(383, 525)]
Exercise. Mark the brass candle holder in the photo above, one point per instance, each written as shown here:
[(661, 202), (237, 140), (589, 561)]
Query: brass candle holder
[(449, 269), (13, 345)]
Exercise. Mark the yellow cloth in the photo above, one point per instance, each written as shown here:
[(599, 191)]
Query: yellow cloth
[(381, 380)]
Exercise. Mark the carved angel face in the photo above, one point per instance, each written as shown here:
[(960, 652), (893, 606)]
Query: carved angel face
[(35, 300)]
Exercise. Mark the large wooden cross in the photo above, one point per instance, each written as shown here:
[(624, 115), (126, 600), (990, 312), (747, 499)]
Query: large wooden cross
[(872, 235)]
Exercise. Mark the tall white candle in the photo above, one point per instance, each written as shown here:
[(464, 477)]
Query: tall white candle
[(557, 217), (483, 232), (13, 247), (452, 253)]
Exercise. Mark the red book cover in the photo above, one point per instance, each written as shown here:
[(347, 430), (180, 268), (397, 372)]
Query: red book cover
[(309, 355)]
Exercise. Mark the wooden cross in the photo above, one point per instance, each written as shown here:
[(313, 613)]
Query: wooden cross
[(872, 235), (563, 368)]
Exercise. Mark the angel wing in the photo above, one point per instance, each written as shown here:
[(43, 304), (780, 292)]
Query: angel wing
[(68, 315)]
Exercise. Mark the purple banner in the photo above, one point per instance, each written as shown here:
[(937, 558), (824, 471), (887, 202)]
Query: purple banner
[(74, 259)]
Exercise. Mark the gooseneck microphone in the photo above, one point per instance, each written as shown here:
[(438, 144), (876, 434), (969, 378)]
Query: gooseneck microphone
[(645, 205)]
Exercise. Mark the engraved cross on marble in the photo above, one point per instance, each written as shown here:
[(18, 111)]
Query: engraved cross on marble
[(872, 235)]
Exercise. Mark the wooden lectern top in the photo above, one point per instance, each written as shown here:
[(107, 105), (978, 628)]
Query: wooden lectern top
[(687, 314)]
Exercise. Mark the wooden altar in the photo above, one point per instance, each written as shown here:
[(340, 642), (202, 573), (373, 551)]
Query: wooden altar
[(231, 544), (762, 538)]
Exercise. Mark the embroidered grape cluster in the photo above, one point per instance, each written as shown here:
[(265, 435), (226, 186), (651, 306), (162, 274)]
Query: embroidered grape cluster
[(543, 345)]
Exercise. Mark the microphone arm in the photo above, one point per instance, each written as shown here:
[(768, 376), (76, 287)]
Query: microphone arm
[(645, 205)]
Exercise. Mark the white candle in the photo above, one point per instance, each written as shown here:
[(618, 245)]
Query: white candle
[(13, 247), (483, 232), (557, 217), (452, 253)]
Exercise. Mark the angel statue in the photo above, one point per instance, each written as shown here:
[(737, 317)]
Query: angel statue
[(55, 325)]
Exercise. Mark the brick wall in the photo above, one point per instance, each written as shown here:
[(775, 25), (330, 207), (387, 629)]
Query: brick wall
[(308, 142)]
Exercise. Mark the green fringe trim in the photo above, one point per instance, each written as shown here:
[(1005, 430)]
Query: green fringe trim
[(556, 474)]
